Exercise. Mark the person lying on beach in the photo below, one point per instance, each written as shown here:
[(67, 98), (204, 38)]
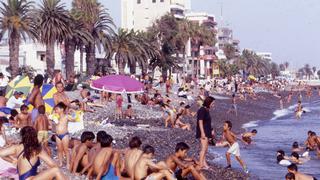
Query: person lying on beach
[(234, 148), (28, 154), (42, 126), (80, 153), (182, 165), (106, 163), (62, 135), (293, 168), (157, 171), (247, 136), (24, 117), (132, 156)]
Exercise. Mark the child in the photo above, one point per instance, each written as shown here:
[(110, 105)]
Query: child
[(13, 116), (299, 110), (160, 170), (106, 163), (62, 135), (247, 137), (234, 148), (129, 112), (119, 101), (80, 153), (42, 127), (132, 155), (186, 165), (24, 117)]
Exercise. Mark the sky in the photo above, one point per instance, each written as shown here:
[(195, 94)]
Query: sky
[(289, 29)]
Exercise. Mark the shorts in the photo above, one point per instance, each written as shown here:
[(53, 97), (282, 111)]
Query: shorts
[(234, 149), (43, 136), (34, 114)]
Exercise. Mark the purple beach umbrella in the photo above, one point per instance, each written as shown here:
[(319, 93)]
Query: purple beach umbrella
[(117, 84)]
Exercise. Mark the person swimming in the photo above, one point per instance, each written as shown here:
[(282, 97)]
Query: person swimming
[(282, 159)]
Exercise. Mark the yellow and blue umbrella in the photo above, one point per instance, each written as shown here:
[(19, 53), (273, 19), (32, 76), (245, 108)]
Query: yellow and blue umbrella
[(21, 84), (47, 92)]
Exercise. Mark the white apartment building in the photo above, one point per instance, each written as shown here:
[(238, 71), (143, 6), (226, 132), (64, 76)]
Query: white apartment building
[(265, 55), (140, 14)]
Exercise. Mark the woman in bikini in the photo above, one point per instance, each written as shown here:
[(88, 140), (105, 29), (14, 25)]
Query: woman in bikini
[(29, 153)]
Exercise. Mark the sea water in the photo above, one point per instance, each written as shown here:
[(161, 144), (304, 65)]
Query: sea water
[(275, 134)]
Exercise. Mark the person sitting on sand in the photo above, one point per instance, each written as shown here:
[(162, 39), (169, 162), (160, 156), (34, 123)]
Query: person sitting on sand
[(28, 154), (79, 156), (62, 135), (24, 117), (293, 168), (183, 110), (170, 114), (128, 113), (106, 163), (234, 148), (60, 95), (247, 136), (131, 156), (145, 163), (42, 127), (181, 165), (290, 176)]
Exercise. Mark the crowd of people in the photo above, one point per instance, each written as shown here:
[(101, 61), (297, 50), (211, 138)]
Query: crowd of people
[(98, 159)]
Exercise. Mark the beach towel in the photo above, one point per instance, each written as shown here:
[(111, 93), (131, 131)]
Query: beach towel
[(8, 170)]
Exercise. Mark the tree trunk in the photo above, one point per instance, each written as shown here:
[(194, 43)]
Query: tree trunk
[(50, 59), (121, 67), (164, 73), (90, 58), (192, 65), (14, 41), (81, 59), (70, 48), (133, 68)]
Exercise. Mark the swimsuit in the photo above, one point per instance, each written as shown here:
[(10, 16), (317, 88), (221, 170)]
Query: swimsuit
[(31, 172), (110, 174), (61, 136), (34, 114)]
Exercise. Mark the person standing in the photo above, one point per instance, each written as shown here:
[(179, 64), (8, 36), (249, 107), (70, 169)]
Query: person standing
[(204, 129), (3, 83), (35, 98)]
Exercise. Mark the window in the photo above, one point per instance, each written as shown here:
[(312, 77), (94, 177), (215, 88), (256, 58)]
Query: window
[(161, 0), (138, 1), (154, 1), (42, 57)]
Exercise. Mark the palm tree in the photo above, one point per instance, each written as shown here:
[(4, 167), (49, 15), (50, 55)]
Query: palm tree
[(307, 70), (78, 38), (100, 25), (15, 21), (53, 27), (318, 73), (286, 64), (230, 51)]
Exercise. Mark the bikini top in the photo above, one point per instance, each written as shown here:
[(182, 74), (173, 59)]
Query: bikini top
[(31, 172)]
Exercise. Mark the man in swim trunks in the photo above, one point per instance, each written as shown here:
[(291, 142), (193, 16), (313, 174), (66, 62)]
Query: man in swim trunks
[(247, 136), (80, 153), (186, 165), (35, 98), (60, 95), (42, 127), (234, 146), (159, 170), (23, 118), (293, 168), (132, 155)]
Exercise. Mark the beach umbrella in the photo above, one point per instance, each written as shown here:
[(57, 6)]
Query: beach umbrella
[(47, 92), (117, 84), (252, 78), (21, 84)]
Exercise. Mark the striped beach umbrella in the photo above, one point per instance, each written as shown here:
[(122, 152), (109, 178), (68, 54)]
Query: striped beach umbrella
[(47, 92), (21, 84)]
